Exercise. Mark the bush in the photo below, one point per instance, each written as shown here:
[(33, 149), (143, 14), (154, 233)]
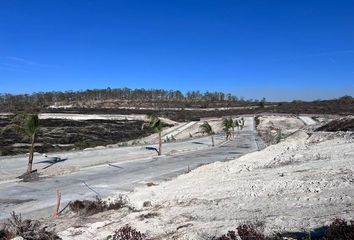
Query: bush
[(249, 232), (89, 207), (27, 229), (340, 230), (128, 233)]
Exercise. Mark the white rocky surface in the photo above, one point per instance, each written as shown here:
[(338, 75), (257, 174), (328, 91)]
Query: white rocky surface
[(296, 185)]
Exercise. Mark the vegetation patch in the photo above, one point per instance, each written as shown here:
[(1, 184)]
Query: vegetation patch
[(344, 124), (27, 229), (89, 207), (127, 233), (339, 229)]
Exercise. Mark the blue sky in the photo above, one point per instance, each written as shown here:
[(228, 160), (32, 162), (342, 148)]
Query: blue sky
[(281, 50)]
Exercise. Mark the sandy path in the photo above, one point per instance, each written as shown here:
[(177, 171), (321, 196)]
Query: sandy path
[(307, 120)]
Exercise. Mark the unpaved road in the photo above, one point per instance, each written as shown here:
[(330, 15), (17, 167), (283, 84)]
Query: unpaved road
[(38, 198), (307, 120)]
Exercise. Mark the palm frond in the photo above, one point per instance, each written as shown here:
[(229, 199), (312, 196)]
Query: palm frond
[(25, 124), (206, 128), (154, 122), (12, 127)]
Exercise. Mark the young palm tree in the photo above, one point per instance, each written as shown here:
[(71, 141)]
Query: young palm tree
[(27, 125), (156, 124), (206, 128), (237, 124), (228, 125), (242, 123)]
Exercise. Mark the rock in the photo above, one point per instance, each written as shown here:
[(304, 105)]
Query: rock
[(147, 204), (18, 238), (2, 226)]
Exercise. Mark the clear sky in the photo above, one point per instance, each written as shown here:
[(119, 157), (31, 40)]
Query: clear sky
[(281, 50)]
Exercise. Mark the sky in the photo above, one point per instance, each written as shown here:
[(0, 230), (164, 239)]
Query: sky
[(281, 50)]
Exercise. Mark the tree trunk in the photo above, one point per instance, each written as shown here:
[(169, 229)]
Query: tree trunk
[(30, 158), (160, 144), (212, 140)]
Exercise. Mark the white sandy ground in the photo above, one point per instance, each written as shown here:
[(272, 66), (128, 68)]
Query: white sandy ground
[(287, 124), (183, 131), (299, 184), (74, 116), (13, 166), (170, 109)]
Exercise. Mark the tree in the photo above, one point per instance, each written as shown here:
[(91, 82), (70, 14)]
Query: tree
[(228, 125), (262, 102), (242, 123), (156, 124), (27, 125), (206, 128), (237, 124)]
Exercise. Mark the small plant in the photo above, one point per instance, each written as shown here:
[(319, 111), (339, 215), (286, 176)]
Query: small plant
[(148, 215), (27, 125), (228, 124), (156, 124), (89, 207), (206, 128), (128, 233), (340, 230), (27, 229), (249, 232), (246, 232)]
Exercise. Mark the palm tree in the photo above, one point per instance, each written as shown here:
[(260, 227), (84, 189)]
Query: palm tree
[(237, 124), (206, 128), (27, 125), (242, 123), (156, 124), (227, 124)]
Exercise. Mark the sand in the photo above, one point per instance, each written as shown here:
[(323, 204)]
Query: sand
[(296, 185)]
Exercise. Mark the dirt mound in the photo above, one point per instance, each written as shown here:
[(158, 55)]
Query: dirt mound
[(343, 124)]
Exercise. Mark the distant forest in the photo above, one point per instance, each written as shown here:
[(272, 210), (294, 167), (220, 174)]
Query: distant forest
[(121, 97), (163, 102)]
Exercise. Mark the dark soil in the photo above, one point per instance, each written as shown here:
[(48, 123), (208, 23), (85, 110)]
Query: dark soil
[(59, 134), (344, 124), (338, 107)]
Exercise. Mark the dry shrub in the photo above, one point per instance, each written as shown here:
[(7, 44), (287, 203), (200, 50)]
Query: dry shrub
[(231, 235), (27, 229), (249, 232), (148, 215), (128, 233), (89, 207), (340, 230)]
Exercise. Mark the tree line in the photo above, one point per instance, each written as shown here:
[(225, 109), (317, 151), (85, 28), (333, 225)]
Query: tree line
[(44, 99)]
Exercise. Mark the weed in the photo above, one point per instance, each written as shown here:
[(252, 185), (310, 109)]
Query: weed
[(340, 230), (148, 215), (27, 229), (88, 207), (128, 233)]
